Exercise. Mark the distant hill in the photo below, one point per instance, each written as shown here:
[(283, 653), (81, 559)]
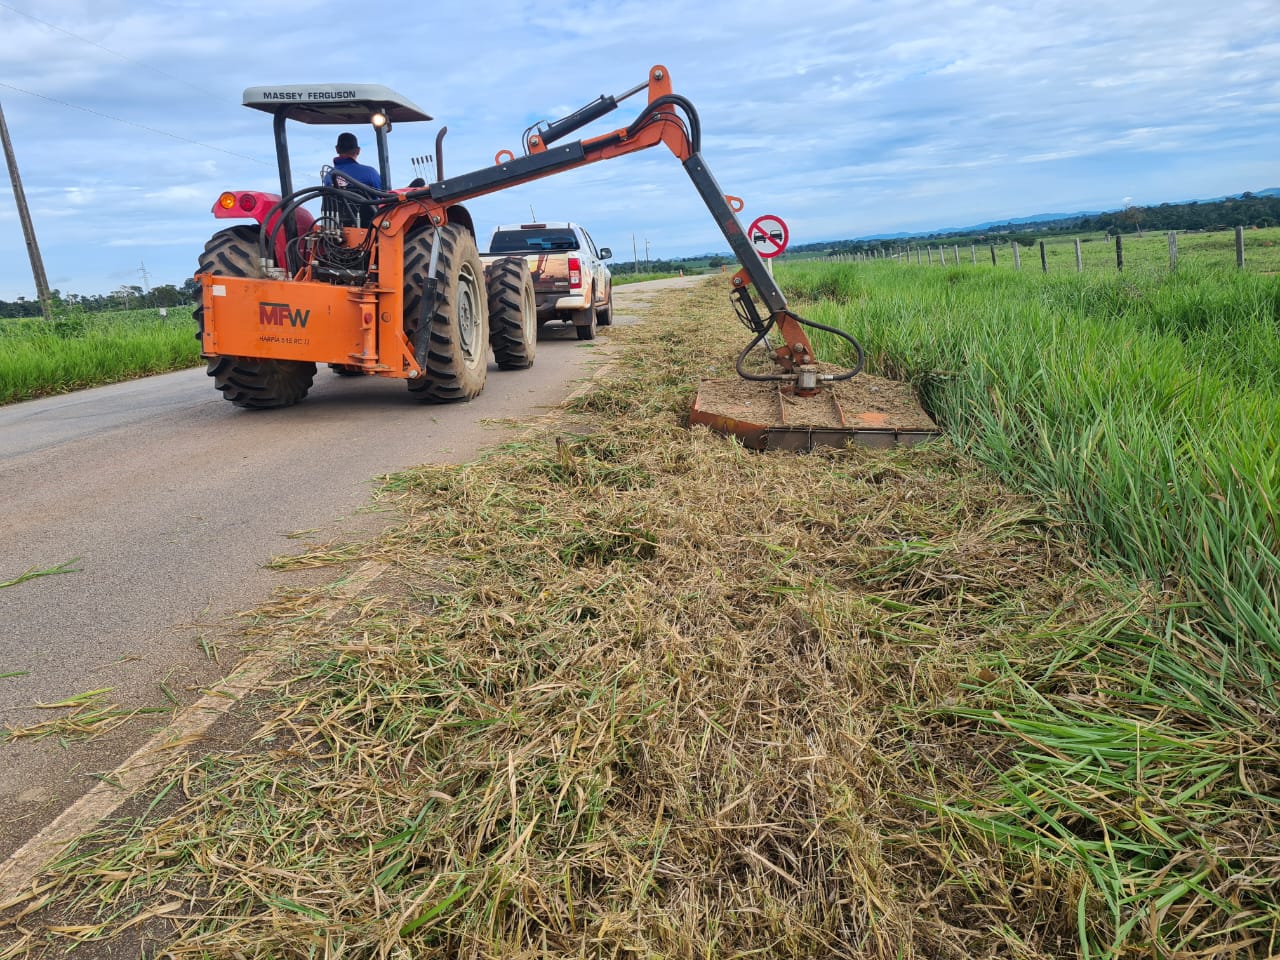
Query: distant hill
[(1250, 208), (1078, 215), (1269, 192), (1019, 221)]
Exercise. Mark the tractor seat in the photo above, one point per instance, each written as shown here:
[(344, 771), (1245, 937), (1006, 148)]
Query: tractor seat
[(340, 210)]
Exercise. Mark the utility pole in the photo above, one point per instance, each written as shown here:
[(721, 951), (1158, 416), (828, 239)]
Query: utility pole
[(20, 198)]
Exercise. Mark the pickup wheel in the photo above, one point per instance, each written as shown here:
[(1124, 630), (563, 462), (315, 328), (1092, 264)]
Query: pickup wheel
[(604, 315), (252, 382), (513, 313), (585, 321), (450, 343)]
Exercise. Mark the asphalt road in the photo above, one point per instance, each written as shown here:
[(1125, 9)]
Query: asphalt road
[(170, 500)]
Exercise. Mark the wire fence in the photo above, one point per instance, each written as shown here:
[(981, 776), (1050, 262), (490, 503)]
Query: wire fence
[(1254, 249)]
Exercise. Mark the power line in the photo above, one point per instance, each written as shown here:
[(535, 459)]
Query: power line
[(163, 133), (114, 53), (138, 63)]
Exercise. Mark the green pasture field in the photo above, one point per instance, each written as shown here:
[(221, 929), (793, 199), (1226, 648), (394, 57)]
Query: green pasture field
[(1149, 252), (620, 278), (1143, 408), (40, 358)]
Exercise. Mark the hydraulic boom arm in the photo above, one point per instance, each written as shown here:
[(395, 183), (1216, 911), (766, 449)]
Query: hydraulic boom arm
[(660, 121)]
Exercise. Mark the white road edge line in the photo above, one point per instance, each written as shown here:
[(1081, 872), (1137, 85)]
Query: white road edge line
[(18, 873)]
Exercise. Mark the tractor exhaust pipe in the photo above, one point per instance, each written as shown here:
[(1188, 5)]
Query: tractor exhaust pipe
[(440, 153)]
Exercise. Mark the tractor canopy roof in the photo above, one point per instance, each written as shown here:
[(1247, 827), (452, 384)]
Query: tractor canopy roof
[(337, 103)]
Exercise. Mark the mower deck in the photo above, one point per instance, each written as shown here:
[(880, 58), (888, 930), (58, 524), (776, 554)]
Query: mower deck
[(867, 411)]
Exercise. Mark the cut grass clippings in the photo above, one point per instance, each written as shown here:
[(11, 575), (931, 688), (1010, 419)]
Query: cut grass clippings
[(33, 573), (631, 690), (87, 715)]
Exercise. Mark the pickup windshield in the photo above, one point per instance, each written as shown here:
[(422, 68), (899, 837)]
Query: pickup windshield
[(532, 241)]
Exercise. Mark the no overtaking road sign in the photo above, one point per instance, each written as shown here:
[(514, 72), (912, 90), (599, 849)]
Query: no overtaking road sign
[(769, 235)]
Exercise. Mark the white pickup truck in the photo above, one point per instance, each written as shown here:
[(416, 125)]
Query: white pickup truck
[(570, 279)]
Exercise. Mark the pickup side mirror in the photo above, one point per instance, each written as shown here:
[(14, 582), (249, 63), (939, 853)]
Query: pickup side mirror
[(605, 253)]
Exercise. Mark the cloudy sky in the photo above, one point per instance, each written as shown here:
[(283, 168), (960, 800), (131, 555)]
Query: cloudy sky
[(845, 117)]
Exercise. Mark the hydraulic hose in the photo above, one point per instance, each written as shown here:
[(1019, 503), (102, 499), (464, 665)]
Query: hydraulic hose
[(672, 99), (363, 195), (849, 373)]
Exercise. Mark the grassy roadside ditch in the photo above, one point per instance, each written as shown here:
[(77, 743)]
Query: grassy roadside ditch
[(39, 358), (630, 690)]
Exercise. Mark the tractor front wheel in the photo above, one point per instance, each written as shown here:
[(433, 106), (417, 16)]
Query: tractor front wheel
[(513, 313), (253, 382), (450, 335)]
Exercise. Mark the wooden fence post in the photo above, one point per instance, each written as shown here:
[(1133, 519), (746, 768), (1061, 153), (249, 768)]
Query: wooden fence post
[(1239, 246), (1017, 256), (955, 248), (1044, 262), (973, 252), (993, 254), (929, 253), (942, 255), (1173, 250), (1079, 259), (1119, 253)]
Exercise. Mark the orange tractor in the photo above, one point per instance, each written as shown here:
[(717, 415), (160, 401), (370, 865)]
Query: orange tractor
[(389, 283)]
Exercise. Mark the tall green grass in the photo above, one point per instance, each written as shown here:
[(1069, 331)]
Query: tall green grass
[(1149, 409), (39, 358), (1145, 409)]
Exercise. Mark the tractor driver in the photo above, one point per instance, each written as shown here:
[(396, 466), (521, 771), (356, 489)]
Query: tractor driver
[(348, 149)]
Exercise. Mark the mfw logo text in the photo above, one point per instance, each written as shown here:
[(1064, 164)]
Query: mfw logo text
[(275, 314)]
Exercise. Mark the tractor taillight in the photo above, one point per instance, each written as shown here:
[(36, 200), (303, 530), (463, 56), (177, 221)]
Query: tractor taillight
[(248, 201), (227, 201), (575, 273)]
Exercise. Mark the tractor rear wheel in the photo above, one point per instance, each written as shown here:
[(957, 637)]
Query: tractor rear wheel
[(253, 382), (450, 343), (513, 313)]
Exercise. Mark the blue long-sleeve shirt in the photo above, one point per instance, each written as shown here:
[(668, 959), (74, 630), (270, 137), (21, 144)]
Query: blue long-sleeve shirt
[(356, 171)]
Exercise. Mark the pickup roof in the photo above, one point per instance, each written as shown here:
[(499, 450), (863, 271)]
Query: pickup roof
[(570, 279)]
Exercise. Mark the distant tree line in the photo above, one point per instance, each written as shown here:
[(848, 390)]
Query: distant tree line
[(122, 298), (1246, 210)]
